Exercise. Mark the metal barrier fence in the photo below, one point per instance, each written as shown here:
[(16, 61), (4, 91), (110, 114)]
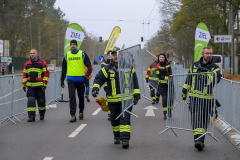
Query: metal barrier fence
[(192, 114), (128, 58), (137, 64), (227, 93), (13, 100)]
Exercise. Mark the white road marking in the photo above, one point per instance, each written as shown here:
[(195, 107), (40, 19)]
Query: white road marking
[(96, 112), (150, 111), (48, 158), (77, 130)]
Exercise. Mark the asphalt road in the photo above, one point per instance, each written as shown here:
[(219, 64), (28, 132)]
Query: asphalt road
[(49, 139)]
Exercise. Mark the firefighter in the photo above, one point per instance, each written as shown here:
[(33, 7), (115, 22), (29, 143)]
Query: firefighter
[(121, 127), (35, 79), (73, 67), (87, 83), (105, 84), (153, 79), (200, 89), (163, 70)]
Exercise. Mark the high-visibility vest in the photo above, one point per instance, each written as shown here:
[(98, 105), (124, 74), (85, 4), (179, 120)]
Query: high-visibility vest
[(75, 64)]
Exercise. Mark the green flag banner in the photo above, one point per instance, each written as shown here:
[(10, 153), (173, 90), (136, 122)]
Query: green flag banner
[(202, 37), (74, 31)]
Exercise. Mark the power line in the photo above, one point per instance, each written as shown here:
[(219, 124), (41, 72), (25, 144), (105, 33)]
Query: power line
[(155, 17), (151, 11)]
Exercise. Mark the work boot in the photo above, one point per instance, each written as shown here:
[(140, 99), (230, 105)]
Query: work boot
[(157, 100), (88, 100), (153, 101), (73, 119), (80, 116), (199, 145), (125, 143), (116, 140), (31, 119), (41, 117), (165, 114)]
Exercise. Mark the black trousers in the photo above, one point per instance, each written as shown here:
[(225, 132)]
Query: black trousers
[(201, 110), (34, 94), (72, 96), (165, 98), (152, 91), (122, 126)]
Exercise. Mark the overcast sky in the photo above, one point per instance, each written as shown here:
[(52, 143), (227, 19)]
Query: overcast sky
[(101, 16)]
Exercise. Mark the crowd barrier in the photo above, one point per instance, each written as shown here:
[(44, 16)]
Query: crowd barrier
[(13, 100), (227, 93), (192, 114)]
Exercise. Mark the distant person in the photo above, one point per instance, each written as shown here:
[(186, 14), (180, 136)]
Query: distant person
[(95, 62), (152, 78), (10, 67), (87, 83), (35, 79), (163, 71)]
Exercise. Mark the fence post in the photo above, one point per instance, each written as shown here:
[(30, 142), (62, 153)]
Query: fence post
[(12, 88)]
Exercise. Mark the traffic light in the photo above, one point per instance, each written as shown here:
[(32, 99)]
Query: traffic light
[(167, 55), (100, 39), (141, 39)]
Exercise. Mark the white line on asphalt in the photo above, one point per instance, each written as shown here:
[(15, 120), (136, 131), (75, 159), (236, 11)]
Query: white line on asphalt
[(96, 112), (48, 158), (77, 130)]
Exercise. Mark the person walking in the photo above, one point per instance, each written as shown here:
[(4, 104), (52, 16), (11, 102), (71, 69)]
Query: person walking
[(35, 79), (87, 83), (121, 127), (73, 67), (163, 70), (153, 80), (10, 67), (200, 88)]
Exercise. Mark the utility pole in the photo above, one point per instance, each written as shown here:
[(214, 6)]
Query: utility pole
[(57, 51), (232, 44), (30, 36), (39, 43)]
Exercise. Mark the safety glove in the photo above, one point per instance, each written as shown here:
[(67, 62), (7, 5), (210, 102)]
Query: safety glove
[(184, 96), (146, 80), (94, 93), (135, 101), (44, 86), (24, 87), (62, 84)]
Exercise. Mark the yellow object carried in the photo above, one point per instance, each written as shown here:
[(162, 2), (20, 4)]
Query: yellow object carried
[(103, 103)]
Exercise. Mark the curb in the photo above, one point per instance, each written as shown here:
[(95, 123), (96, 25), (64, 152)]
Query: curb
[(232, 135)]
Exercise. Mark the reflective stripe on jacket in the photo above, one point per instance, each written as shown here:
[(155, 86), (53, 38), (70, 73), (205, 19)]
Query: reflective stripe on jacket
[(35, 73), (109, 74)]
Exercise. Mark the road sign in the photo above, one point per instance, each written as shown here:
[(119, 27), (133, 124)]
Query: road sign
[(101, 58), (222, 38)]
